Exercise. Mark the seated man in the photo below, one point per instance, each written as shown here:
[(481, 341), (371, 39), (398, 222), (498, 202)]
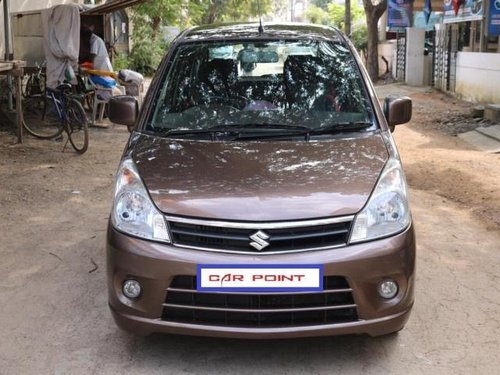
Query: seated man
[(93, 47), (329, 101), (98, 51)]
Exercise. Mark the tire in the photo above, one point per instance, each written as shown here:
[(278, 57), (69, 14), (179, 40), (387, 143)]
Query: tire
[(40, 117), (35, 85), (78, 129)]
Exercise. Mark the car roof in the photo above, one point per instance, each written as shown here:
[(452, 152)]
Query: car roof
[(271, 31)]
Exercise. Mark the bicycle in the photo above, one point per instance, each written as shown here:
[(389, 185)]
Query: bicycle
[(48, 114), (34, 84)]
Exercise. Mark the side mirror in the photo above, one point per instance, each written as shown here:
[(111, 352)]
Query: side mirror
[(397, 110), (123, 110)]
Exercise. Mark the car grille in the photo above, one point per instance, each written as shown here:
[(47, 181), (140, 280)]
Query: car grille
[(278, 238), (335, 304)]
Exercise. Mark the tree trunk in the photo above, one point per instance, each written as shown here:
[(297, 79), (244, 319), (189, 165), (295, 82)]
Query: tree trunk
[(373, 14), (155, 26), (372, 49), (211, 14), (347, 18)]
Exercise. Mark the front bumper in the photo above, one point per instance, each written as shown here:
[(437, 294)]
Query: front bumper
[(364, 265)]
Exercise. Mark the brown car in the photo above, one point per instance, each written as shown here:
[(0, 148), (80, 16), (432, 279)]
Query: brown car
[(261, 194)]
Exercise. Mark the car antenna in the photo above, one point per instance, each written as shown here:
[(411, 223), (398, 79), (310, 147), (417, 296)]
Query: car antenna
[(261, 28)]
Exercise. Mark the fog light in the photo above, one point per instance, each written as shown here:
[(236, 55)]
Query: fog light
[(131, 288), (388, 289)]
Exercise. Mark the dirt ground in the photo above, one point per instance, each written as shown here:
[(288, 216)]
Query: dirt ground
[(54, 317), (437, 161)]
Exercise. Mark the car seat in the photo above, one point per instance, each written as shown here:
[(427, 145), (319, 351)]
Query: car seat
[(300, 80), (218, 77)]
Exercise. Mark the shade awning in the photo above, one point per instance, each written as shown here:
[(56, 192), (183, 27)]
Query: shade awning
[(112, 6)]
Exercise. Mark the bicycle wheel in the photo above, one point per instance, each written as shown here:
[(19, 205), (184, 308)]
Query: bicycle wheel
[(35, 85), (77, 126), (40, 117)]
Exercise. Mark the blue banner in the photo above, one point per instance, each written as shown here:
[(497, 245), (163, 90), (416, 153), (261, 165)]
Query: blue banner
[(399, 13), (420, 22), (463, 10), (494, 19), (427, 10)]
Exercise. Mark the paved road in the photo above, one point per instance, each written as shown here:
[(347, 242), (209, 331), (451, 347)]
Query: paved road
[(54, 317)]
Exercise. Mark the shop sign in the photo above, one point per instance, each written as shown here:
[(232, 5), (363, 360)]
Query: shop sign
[(494, 18), (399, 13), (463, 10)]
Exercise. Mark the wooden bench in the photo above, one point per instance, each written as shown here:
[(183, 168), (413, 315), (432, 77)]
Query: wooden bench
[(15, 68)]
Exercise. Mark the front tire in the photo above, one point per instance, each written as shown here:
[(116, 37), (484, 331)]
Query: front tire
[(78, 130), (40, 117)]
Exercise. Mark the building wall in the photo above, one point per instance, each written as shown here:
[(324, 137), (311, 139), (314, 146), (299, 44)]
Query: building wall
[(24, 6), (478, 77), (386, 49), (414, 74)]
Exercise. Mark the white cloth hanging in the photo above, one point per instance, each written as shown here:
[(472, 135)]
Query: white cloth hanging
[(61, 39)]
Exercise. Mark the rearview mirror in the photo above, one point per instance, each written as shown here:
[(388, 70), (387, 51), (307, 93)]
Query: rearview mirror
[(397, 110), (250, 56), (123, 110)]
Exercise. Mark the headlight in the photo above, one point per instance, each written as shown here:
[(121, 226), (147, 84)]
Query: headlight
[(387, 211), (133, 211)]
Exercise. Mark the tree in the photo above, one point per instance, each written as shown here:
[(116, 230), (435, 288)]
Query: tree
[(317, 15), (336, 14), (347, 17), (160, 12), (148, 40), (231, 10), (359, 38), (374, 9), (323, 4), (279, 10), (183, 13), (147, 50)]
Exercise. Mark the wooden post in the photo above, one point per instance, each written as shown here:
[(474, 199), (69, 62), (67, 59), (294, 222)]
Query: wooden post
[(18, 74), (15, 69)]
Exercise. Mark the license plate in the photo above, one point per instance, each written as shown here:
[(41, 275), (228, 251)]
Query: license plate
[(265, 278)]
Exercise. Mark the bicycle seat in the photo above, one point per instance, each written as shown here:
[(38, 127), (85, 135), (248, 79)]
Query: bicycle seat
[(64, 87)]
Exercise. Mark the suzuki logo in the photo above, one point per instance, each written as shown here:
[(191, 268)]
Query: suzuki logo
[(259, 240)]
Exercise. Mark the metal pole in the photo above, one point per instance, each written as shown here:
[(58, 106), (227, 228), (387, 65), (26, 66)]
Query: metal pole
[(7, 27), (484, 27), (18, 73), (8, 49)]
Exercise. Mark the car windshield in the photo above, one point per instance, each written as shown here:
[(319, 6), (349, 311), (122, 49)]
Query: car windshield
[(287, 84)]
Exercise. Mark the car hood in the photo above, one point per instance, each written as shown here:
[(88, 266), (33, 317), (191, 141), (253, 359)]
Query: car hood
[(260, 181)]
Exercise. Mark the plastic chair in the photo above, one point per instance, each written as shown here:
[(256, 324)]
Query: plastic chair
[(133, 83), (133, 89), (101, 98)]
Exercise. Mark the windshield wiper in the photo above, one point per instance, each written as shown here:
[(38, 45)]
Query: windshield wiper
[(238, 129), (211, 131), (170, 133), (268, 130), (308, 132), (259, 126), (341, 127)]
